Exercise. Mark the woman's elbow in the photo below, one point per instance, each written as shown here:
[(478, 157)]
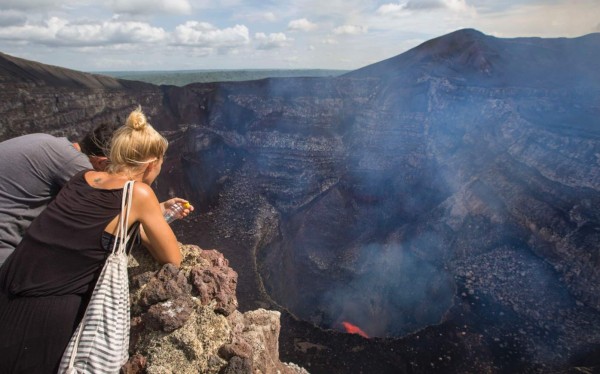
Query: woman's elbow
[(170, 257), (175, 260), (166, 257)]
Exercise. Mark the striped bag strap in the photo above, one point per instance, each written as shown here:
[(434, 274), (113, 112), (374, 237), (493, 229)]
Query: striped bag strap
[(122, 236), (119, 247)]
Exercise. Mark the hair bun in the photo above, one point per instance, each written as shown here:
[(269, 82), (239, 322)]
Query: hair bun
[(137, 120)]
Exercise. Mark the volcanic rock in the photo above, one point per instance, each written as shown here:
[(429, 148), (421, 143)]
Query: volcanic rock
[(217, 283), (176, 332), (445, 201)]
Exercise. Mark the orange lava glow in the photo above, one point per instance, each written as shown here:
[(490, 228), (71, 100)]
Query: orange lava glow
[(353, 329)]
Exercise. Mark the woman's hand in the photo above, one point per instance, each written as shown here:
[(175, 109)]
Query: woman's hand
[(187, 207)]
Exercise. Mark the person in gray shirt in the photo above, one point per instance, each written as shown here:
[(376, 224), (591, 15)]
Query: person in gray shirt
[(33, 168)]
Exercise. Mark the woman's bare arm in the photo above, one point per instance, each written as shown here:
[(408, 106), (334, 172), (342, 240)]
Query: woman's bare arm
[(156, 233)]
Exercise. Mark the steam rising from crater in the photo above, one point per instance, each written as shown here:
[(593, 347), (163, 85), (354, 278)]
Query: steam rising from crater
[(393, 191), (394, 293)]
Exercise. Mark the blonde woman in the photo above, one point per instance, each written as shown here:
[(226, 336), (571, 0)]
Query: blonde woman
[(46, 283)]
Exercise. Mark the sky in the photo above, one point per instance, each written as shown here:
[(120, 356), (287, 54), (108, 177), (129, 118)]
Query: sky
[(138, 35)]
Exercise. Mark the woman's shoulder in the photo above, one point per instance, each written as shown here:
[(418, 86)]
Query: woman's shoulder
[(143, 191), (78, 178), (100, 180), (144, 197)]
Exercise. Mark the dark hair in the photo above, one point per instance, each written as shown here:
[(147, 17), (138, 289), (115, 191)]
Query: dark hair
[(97, 141)]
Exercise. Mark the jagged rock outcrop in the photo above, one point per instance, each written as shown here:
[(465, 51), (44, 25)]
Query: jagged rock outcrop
[(185, 320)]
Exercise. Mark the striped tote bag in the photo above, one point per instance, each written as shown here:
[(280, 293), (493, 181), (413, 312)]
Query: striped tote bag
[(101, 341)]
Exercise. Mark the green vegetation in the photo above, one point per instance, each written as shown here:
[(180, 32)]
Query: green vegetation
[(184, 77)]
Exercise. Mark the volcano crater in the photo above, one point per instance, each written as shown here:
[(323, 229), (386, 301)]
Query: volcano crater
[(350, 259)]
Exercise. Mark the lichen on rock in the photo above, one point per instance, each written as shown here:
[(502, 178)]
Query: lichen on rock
[(185, 319)]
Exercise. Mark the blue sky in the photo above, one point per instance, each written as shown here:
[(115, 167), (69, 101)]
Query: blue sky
[(93, 35)]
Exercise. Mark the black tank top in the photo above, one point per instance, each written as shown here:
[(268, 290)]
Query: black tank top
[(62, 252)]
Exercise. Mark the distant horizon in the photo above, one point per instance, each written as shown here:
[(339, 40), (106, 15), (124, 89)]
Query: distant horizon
[(185, 77), (214, 70), (173, 35)]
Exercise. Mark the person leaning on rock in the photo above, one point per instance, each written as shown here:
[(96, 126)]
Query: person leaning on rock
[(47, 282), (33, 168)]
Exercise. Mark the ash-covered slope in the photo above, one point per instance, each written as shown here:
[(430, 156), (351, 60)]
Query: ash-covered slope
[(444, 200), (36, 97), (461, 178), (23, 72)]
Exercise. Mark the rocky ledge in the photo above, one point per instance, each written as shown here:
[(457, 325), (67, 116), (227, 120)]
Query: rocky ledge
[(185, 320)]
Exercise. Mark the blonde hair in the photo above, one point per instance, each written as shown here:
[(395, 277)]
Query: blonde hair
[(135, 144)]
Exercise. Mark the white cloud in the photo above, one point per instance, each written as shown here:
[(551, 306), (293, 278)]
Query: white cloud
[(391, 9), (271, 41), (112, 32), (301, 24), (400, 9), (44, 33), (460, 6), (269, 16), (159, 7), (203, 34), (350, 30), (58, 31)]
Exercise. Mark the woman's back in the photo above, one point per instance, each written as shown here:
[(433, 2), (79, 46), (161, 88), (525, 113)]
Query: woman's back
[(45, 284), (61, 252)]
